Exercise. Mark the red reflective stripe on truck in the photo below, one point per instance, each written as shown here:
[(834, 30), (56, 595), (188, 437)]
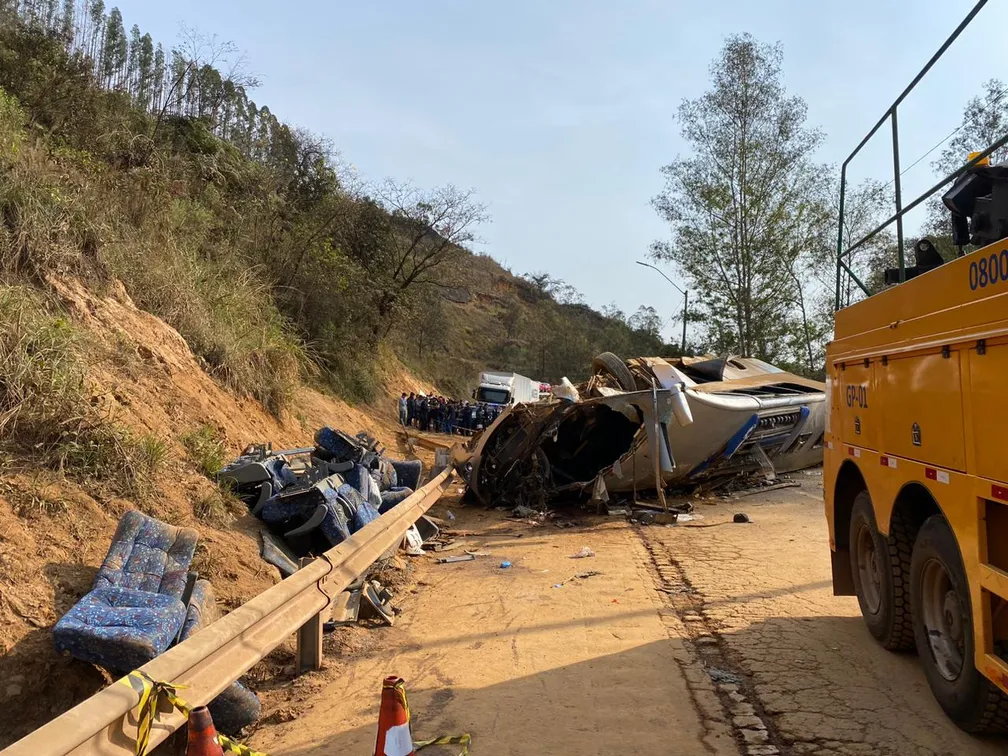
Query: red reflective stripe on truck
[(937, 475)]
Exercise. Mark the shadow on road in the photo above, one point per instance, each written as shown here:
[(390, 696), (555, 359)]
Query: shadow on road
[(818, 680)]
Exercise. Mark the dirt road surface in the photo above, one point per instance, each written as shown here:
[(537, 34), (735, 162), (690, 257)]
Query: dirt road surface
[(702, 638)]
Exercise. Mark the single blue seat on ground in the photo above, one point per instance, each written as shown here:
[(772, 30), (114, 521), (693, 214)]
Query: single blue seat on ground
[(135, 610)]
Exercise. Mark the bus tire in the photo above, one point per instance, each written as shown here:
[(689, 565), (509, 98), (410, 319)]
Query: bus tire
[(607, 362), (880, 567), (943, 628)]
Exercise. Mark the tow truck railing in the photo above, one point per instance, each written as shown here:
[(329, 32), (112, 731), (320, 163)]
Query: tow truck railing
[(843, 255), (206, 663)]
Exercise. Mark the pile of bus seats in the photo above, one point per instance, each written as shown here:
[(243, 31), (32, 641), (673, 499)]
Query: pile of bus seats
[(316, 497)]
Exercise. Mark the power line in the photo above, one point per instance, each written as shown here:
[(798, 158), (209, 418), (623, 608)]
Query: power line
[(955, 131), (915, 162)]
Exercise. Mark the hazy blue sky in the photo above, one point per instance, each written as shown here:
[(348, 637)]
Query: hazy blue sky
[(560, 113)]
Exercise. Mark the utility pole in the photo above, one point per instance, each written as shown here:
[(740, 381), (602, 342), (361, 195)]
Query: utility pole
[(685, 309)]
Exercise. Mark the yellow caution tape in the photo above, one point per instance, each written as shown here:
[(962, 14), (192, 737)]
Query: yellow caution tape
[(151, 693), (465, 740), (236, 748)]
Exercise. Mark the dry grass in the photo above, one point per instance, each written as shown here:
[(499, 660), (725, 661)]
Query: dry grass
[(34, 501), (62, 211), (219, 305), (206, 563), (45, 403), (218, 508), (51, 218)]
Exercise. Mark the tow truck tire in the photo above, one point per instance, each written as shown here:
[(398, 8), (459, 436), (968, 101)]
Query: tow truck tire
[(943, 628), (881, 567), (607, 362)]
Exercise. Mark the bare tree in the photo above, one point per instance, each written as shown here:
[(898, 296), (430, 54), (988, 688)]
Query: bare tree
[(549, 285), (431, 228)]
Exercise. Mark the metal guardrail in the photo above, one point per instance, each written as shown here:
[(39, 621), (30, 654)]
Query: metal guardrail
[(211, 659)]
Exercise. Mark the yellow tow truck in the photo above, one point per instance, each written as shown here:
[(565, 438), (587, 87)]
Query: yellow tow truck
[(916, 458)]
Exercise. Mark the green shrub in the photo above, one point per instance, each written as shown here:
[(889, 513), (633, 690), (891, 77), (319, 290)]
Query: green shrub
[(206, 450)]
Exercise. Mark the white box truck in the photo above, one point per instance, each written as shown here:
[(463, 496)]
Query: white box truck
[(506, 388)]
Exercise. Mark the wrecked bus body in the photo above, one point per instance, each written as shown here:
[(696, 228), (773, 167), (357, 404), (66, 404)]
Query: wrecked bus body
[(631, 427), (750, 416), (536, 453)]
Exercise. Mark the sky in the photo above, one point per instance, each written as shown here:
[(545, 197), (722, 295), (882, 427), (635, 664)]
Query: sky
[(561, 113)]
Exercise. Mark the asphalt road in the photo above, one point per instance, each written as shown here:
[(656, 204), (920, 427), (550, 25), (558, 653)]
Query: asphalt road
[(706, 637), (756, 601)]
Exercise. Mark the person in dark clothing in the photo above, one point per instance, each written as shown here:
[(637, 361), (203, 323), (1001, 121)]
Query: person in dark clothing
[(435, 415), (410, 409)]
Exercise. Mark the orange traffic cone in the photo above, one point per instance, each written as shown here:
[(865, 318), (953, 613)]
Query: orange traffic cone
[(202, 734), (394, 738)]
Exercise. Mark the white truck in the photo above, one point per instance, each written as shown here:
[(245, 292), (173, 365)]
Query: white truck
[(506, 388)]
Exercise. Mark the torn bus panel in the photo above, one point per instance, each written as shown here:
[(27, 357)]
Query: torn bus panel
[(534, 453)]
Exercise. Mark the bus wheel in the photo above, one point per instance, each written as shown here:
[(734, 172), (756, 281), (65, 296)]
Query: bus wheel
[(880, 569), (943, 628)]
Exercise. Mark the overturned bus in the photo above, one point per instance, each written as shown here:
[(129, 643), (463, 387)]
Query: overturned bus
[(649, 424)]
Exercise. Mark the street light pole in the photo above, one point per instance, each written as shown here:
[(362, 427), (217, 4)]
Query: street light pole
[(684, 292), (685, 310)]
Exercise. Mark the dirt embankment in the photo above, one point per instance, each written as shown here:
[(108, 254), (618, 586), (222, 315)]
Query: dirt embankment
[(54, 531)]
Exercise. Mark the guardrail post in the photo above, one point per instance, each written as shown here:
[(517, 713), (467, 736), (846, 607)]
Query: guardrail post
[(309, 640)]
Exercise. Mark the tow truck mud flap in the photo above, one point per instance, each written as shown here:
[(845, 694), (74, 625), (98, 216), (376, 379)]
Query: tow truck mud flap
[(732, 446)]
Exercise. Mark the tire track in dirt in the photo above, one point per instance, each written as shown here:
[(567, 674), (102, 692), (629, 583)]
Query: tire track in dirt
[(750, 724)]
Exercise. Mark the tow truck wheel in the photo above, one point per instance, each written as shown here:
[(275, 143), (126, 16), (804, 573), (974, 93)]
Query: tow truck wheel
[(880, 567), (943, 629)]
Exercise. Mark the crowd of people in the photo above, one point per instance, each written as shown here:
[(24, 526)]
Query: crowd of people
[(441, 415)]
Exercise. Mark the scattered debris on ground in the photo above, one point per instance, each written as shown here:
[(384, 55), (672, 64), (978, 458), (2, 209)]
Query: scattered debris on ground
[(578, 576), (456, 559)]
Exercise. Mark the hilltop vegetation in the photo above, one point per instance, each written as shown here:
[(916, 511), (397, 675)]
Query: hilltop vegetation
[(122, 162)]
